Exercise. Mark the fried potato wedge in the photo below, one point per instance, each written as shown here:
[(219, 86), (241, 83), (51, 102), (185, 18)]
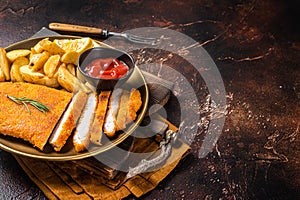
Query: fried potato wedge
[(2, 76), (14, 54), (38, 61), (78, 45), (31, 76), (32, 52), (71, 68), (69, 81), (50, 82), (79, 75), (70, 57), (4, 64), (15, 74), (38, 48), (51, 47), (51, 65)]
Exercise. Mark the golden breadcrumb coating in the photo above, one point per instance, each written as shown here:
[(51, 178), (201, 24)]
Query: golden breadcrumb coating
[(96, 129), (68, 121), (34, 127), (135, 103)]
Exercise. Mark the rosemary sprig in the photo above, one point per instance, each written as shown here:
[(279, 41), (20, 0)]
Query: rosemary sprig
[(23, 100)]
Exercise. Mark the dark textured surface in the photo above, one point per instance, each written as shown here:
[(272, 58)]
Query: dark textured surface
[(256, 46)]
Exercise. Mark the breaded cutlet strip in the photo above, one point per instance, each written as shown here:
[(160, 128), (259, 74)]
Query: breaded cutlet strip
[(96, 129), (34, 127), (129, 105), (110, 127), (123, 111), (81, 137), (67, 123), (135, 103)]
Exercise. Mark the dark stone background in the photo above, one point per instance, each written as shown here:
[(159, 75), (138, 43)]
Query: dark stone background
[(256, 46)]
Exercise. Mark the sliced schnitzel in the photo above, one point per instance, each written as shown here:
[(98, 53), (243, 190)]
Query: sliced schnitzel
[(123, 111), (68, 121), (130, 104), (96, 130), (110, 125), (81, 138), (34, 127)]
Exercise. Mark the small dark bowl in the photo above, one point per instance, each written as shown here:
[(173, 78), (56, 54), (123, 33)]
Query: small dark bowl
[(102, 52)]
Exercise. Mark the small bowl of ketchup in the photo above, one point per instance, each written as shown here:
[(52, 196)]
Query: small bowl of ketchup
[(104, 68)]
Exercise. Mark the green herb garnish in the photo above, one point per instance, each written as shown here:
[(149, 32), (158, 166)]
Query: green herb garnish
[(23, 100)]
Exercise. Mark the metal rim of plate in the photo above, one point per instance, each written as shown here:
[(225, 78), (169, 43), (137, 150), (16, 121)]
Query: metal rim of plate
[(24, 148)]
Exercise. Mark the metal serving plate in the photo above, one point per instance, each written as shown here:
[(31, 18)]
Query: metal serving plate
[(20, 147)]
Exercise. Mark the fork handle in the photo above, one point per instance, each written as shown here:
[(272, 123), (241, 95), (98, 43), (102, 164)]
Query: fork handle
[(75, 28)]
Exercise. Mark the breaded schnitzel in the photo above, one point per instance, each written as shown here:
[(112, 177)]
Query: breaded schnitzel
[(81, 138), (34, 127), (110, 126), (96, 129), (68, 121), (130, 104)]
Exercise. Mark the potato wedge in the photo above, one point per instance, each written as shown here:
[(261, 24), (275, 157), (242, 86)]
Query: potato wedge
[(32, 52), (70, 57), (71, 69), (69, 81), (79, 45), (14, 54), (80, 76), (50, 82), (38, 48), (90, 86), (31, 76), (51, 47), (4, 64), (38, 61), (15, 74), (51, 65), (2, 76)]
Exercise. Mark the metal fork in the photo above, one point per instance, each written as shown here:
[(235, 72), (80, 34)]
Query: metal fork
[(102, 32), (132, 38)]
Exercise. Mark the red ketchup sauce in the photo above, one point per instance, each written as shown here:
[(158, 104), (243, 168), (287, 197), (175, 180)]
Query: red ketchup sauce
[(106, 68)]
